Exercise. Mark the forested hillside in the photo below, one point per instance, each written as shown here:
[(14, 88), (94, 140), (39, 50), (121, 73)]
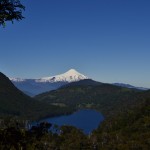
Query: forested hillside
[(129, 130), (106, 98), (13, 102)]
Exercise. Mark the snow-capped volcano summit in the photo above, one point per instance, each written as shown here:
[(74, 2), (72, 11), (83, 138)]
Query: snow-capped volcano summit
[(70, 76), (37, 86)]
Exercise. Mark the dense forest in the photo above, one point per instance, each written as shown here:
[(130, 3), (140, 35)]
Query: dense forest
[(106, 98), (129, 130)]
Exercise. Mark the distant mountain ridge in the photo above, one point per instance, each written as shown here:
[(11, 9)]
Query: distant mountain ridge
[(85, 82), (33, 87), (130, 86)]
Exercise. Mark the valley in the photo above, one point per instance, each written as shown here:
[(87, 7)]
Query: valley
[(14, 103), (123, 112)]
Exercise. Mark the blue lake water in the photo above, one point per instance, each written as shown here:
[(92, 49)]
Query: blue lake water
[(86, 120)]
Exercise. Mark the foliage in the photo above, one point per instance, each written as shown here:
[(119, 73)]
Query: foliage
[(128, 130), (10, 10), (41, 137)]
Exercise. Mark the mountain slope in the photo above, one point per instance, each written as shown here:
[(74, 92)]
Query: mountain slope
[(32, 88), (107, 98), (128, 130), (37, 86), (85, 82), (130, 86), (13, 102)]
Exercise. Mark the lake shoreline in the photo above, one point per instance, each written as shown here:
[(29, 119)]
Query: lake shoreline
[(84, 119)]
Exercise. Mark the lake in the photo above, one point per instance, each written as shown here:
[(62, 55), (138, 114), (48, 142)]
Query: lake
[(86, 120)]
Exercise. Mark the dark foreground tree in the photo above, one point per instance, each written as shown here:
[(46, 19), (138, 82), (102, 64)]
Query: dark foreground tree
[(10, 10)]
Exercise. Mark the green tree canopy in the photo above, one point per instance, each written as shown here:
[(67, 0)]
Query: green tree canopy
[(10, 10)]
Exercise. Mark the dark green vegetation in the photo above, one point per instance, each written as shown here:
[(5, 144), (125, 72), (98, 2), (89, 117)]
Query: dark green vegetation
[(15, 103), (127, 124), (128, 130), (15, 137), (106, 98), (127, 112), (10, 10)]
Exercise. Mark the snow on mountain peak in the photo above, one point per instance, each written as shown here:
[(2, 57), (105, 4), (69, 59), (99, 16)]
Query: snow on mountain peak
[(72, 72), (17, 79), (70, 76)]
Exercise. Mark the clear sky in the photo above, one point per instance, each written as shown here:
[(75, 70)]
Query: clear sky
[(107, 40)]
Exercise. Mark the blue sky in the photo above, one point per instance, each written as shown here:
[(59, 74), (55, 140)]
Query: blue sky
[(106, 40)]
